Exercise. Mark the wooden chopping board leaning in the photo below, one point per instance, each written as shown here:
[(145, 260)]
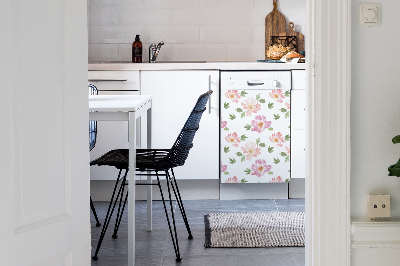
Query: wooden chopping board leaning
[(299, 36), (275, 23)]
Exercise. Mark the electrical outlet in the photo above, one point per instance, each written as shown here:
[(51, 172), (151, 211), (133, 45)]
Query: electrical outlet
[(378, 206)]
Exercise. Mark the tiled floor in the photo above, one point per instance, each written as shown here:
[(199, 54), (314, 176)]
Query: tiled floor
[(155, 248)]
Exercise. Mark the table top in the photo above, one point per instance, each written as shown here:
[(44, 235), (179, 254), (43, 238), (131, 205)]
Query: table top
[(117, 103)]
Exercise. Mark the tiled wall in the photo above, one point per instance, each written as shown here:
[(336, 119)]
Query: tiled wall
[(192, 30)]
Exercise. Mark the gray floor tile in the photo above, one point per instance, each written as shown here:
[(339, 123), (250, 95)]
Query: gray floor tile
[(155, 248)]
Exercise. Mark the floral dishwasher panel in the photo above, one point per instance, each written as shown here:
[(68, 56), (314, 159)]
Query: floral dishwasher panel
[(255, 136)]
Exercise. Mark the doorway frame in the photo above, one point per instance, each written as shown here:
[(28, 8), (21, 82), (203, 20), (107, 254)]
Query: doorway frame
[(328, 224)]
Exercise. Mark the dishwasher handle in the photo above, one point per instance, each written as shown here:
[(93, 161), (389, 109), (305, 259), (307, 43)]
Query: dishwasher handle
[(249, 83)]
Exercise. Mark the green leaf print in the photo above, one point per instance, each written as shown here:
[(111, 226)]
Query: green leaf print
[(239, 110), (226, 149), (270, 105), (276, 161), (232, 160), (247, 127), (287, 93), (243, 159), (262, 100), (283, 154), (232, 116), (247, 171), (243, 94), (243, 181), (243, 137), (239, 154), (226, 129), (287, 115), (257, 141), (276, 117), (287, 159), (226, 105), (270, 173), (287, 137), (283, 110), (226, 173), (243, 115), (258, 96), (287, 180), (262, 144), (270, 128), (270, 149)]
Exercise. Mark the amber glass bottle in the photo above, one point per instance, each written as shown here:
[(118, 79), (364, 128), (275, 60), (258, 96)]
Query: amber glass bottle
[(137, 50)]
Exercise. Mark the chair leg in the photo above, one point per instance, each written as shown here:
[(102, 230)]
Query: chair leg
[(174, 185), (109, 213), (174, 239), (120, 211), (94, 213)]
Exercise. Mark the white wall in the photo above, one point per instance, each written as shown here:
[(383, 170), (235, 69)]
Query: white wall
[(375, 108), (375, 120), (193, 30)]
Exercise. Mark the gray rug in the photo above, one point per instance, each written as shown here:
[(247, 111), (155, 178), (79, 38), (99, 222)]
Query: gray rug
[(238, 230)]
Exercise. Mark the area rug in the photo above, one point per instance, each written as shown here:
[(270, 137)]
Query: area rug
[(239, 230)]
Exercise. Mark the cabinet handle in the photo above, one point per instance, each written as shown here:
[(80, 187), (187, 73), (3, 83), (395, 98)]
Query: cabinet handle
[(100, 80), (209, 99), (254, 83)]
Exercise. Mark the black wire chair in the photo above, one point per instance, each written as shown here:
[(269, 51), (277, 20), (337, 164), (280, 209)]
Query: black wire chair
[(154, 160), (92, 143)]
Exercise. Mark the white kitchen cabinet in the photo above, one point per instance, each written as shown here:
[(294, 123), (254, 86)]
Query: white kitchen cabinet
[(174, 96), (298, 116), (112, 134)]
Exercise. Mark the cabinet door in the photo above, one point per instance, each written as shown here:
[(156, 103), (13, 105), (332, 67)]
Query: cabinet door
[(298, 107), (174, 96), (298, 153)]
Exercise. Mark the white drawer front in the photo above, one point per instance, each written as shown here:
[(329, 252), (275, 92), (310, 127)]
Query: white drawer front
[(298, 108), (298, 79), (115, 80), (298, 154)]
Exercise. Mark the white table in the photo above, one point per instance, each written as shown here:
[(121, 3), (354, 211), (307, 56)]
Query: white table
[(127, 108)]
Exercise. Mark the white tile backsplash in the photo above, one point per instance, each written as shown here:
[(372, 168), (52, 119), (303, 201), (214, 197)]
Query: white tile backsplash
[(145, 17), (192, 30), (199, 16)]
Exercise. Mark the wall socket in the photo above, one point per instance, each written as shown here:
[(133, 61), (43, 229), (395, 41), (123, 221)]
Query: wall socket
[(378, 206)]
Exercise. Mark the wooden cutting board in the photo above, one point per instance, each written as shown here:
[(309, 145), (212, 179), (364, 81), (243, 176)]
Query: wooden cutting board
[(292, 32), (275, 23)]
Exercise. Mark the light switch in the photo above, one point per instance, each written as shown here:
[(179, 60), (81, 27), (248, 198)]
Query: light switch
[(369, 14)]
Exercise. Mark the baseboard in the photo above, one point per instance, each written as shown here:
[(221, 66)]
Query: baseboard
[(297, 188), (375, 243), (101, 190), (254, 191)]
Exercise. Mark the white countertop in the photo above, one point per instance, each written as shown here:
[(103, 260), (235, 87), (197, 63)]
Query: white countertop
[(196, 66)]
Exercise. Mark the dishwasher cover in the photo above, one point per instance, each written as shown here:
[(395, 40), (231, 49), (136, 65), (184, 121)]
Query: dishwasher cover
[(255, 136)]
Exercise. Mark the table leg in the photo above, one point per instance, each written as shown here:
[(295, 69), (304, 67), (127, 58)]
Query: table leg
[(149, 178), (132, 190)]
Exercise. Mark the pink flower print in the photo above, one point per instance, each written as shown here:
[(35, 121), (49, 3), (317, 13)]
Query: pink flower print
[(287, 149), (251, 150), (278, 179), (232, 180), (287, 105), (233, 139), (277, 95), (260, 124), (277, 139), (223, 123), (260, 167), (233, 95), (223, 167), (252, 106)]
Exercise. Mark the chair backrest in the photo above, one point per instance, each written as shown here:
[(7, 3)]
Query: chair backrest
[(92, 124), (180, 150)]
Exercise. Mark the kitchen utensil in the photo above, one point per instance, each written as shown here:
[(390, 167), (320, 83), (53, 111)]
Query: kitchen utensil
[(292, 32), (275, 23)]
